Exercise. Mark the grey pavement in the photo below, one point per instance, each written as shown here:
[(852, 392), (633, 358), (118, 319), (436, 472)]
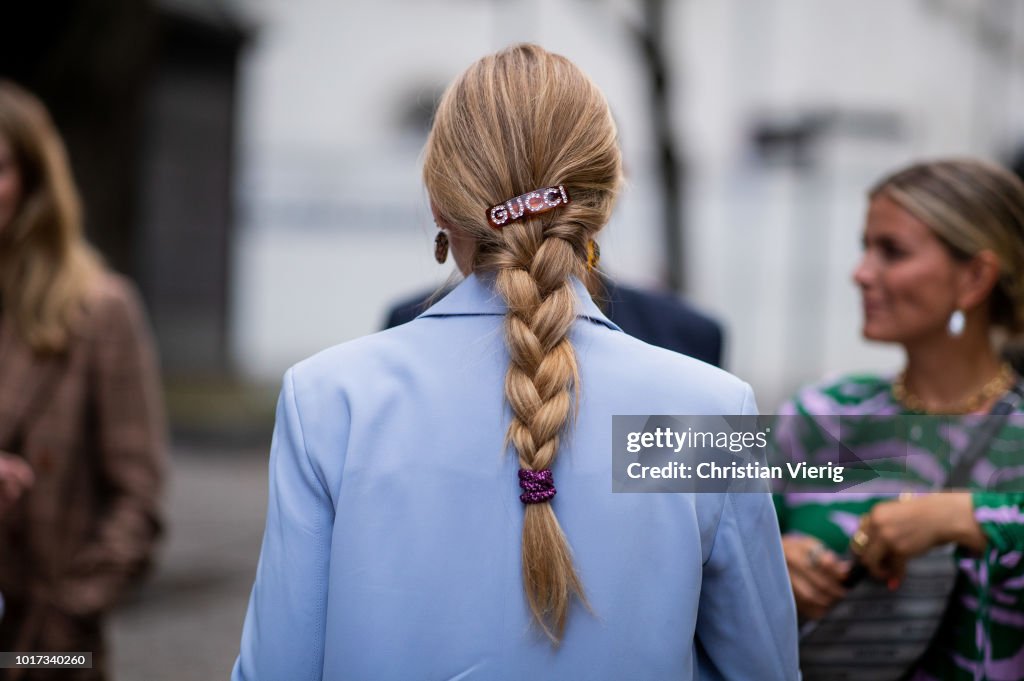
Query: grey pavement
[(184, 624)]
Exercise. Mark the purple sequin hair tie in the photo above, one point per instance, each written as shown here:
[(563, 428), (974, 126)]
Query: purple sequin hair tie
[(538, 486)]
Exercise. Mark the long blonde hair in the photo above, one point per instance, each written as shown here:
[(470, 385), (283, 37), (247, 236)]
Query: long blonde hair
[(47, 270), (971, 205), (515, 121)]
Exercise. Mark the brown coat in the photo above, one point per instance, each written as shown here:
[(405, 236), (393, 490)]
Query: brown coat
[(90, 423)]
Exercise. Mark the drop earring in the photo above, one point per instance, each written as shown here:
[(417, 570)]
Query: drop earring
[(441, 247), (956, 323)]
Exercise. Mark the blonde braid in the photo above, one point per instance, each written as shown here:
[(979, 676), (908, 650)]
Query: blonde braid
[(540, 382)]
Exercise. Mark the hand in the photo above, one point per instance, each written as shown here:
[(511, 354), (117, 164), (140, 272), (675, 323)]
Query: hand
[(16, 478), (816, 574), (893, 532)]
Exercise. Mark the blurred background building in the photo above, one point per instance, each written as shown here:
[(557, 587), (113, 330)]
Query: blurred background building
[(255, 166), (782, 113)]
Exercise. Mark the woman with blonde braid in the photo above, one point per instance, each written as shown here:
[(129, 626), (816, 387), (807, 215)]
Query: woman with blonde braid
[(395, 545)]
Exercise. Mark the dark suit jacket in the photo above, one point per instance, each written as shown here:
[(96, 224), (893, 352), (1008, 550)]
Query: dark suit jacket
[(657, 318), (90, 422)]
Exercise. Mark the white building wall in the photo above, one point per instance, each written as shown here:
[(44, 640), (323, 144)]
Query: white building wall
[(335, 221)]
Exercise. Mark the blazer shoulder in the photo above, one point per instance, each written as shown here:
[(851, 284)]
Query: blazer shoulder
[(665, 375), (113, 307), (112, 291), (358, 362)]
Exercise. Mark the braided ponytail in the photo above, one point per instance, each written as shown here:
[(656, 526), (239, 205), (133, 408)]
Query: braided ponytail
[(541, 377), (513, 122)]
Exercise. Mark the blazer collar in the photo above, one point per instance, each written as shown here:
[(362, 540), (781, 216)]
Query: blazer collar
[(476, 296)]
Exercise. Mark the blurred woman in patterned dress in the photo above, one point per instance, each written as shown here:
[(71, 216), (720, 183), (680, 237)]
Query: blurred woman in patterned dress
[(942, 274)]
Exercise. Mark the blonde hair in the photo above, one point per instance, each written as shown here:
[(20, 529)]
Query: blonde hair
[(515, 121), (47, 270), (972, 206)]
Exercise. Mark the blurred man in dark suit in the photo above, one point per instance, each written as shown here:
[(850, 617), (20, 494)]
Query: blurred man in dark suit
[(657, 318)]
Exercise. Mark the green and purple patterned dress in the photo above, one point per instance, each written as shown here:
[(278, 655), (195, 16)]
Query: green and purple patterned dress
[(982, 637)]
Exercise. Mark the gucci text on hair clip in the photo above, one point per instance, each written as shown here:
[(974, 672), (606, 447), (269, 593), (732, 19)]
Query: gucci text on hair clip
[(537, 201)]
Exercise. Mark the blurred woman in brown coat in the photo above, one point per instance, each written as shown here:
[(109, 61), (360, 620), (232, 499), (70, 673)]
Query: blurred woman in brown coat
[(81, 419)]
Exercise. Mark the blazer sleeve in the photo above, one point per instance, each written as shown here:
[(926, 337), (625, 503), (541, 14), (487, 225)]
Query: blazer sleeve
[(283, 634), (746, 621), (130, 431)]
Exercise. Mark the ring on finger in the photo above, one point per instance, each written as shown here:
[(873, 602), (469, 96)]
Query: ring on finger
[(859, 541), (814, 555)]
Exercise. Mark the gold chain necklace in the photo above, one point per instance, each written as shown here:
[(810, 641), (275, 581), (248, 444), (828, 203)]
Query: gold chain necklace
[(998, 385)]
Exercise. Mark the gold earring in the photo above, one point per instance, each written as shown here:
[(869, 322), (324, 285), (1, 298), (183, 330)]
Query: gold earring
[(441, 247), (593, 255)]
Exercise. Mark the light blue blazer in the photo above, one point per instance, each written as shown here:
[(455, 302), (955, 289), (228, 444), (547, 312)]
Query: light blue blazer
[(392, 545)]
